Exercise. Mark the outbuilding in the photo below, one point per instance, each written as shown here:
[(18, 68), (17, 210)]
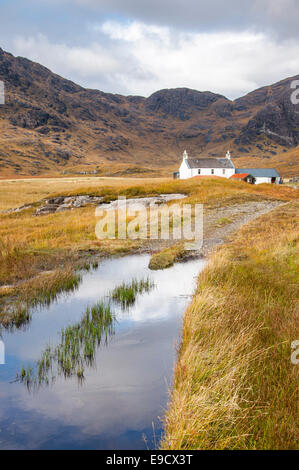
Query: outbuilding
[(243, 177), (261, 175)]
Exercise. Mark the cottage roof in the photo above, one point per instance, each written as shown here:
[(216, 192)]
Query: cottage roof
[(210, 163), (240, 175), (259, 172)]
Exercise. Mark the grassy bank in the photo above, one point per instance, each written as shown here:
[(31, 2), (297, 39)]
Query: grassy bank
[(235, 386), (16, 302)]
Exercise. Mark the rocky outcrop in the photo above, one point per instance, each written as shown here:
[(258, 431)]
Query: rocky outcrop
[(180, 102), (141, 202), (64, 203), (277, 118)]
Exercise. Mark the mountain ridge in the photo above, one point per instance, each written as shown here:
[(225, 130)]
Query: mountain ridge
[(52, 125)]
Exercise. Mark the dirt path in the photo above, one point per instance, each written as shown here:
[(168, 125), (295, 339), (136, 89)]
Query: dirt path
[(222, 222), (219, 223)]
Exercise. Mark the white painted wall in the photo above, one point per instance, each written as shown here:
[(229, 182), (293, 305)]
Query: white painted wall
[(223, 172), (261, 180), (186, 172)]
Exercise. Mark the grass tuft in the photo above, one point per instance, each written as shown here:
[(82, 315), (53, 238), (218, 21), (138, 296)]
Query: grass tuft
[(37, 292), (167, 257), (127, 292)]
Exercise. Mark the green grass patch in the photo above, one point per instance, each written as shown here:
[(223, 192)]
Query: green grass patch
[(224, 221), (127, 292)]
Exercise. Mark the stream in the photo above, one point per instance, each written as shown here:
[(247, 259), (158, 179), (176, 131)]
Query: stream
[(124, 394)]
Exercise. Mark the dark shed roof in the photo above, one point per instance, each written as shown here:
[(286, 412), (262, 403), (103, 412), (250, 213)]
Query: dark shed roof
[(259, 172), (210, 163)]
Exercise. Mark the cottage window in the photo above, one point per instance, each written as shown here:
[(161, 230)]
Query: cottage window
[(199, 172), (212, 172), (223, 172)]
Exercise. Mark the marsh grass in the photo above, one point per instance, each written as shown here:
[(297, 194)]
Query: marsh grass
[(19, 316), (45, 290), (167, 257), (126, 293), (234, 385), (76, 348), (35, 293)]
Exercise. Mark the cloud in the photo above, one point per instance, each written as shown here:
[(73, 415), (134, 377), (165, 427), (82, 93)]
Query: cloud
[(280, 17), (90, 66), (138, 47), (86, 61), (138, 58)]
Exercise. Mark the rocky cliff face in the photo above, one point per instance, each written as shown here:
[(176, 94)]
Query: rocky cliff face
[(180, 103), (50, 124), (276, 118)]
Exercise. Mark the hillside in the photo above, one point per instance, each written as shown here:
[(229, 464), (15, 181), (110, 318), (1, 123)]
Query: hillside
[(50, 125)]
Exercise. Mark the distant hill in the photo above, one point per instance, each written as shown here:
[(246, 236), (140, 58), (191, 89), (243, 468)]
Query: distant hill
[(50, 125)]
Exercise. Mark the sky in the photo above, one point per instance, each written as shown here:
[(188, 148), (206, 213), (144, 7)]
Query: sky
[(136, 47)]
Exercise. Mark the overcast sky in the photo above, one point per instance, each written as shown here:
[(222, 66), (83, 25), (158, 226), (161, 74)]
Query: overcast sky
[(140, 46)]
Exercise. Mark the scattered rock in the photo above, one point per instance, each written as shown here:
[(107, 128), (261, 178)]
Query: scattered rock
[(138, 203), (18, 209), (63, 203)]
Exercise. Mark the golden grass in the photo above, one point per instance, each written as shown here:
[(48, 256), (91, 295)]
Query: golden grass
[(16, 192), (211, 191), (32, 244), (167, 257), (34, 292), (29, 245), (235, 386)]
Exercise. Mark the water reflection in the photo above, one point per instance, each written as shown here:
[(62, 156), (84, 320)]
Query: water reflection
[(75, 350), (77, 345), (125, 390)]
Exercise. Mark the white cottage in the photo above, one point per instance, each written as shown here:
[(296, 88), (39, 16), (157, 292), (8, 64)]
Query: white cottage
[(191, 167)]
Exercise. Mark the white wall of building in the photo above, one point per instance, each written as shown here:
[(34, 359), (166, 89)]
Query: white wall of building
[(261, 180), (186, 172), (223, 172)]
